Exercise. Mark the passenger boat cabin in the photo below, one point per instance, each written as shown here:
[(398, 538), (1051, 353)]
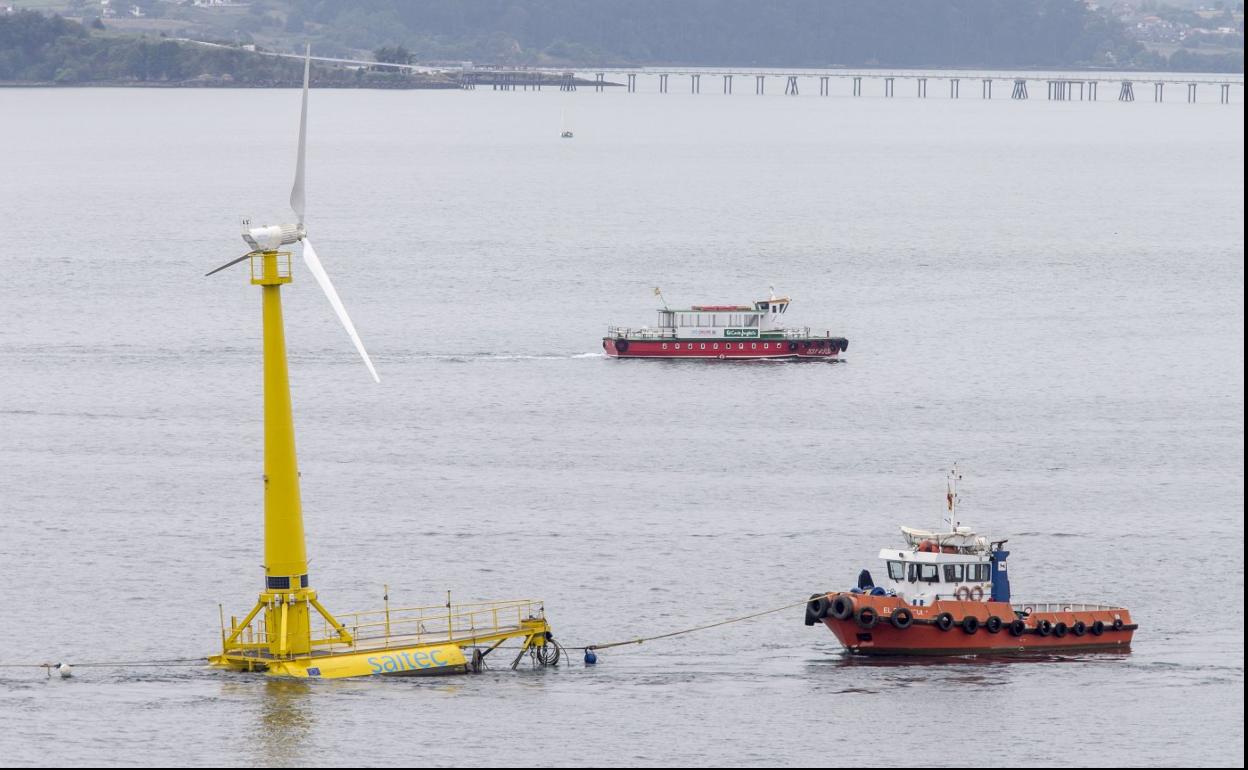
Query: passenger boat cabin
[(725, 321)]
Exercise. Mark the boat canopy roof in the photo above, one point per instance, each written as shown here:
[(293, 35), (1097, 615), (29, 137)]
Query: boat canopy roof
[(961, 538)]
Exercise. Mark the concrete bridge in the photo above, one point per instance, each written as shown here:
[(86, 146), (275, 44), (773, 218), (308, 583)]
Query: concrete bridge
[(1061, 86)]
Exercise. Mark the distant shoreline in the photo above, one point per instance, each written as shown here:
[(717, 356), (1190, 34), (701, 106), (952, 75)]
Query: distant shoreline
[(221, 86)]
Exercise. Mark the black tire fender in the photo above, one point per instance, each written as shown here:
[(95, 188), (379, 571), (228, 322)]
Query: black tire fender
[(944, 621), (842, 607), (816, 608), (901, 618)]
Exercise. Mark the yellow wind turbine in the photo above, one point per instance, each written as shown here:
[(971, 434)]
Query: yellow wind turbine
[(288, 631)]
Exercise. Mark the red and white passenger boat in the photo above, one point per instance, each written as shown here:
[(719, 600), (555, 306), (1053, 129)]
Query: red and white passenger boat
[(947, 593), (723, 332)]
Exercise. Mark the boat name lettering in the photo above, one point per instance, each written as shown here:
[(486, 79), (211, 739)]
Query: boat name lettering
[(404, 661), (740, 332)]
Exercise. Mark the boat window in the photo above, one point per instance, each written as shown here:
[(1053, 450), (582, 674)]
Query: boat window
[(953, 573), (928, 573), (897, 570), (751, 320), (977, 573)]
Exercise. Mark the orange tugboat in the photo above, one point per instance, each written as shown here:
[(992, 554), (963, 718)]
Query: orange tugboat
[(948, 593)]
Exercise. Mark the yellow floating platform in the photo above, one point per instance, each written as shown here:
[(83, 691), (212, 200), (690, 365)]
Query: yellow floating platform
[(408, 641)]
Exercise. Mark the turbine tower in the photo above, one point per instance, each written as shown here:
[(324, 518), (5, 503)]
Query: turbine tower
[(287, 600)]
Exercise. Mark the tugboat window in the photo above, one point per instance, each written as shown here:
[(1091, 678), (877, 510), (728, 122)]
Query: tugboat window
[(953, 573), (928, 573), (897, 570)]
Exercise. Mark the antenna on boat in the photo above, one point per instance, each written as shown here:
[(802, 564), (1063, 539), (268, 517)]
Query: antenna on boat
[(951, 497), (659, 293)]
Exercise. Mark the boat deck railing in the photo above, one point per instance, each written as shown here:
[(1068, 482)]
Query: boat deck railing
[(1030, 607), (671, 333)]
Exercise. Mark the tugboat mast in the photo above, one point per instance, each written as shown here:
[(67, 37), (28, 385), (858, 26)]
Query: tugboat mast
[(951, 498)]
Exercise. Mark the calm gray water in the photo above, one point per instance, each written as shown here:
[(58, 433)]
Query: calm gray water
[(1052, 294)]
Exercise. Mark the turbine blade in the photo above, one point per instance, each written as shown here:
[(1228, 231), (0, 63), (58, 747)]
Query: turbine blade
[(318, 271), (231, 263), (296, 190)]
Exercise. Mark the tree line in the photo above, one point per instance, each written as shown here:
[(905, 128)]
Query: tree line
[(35, 48), (1006, 34)]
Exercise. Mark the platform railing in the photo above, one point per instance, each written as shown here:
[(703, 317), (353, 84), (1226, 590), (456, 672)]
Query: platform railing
[(410, 626), (430, 625)]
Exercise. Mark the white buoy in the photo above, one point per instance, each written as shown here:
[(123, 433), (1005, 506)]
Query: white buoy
[(65, 670)]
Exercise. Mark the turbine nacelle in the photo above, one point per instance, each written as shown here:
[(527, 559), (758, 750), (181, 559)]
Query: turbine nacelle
[(272, 237)]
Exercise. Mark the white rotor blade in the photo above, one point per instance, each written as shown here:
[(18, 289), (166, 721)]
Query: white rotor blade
[(318, 272), (296, 190)]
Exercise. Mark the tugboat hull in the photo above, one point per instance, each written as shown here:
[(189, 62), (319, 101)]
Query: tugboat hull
[(878, 625), (819, 347)]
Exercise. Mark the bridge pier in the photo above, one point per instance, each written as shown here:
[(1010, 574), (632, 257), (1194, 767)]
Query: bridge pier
[(468, 81), (985, 89), (1191, 93), (790, 88), (1159, 91), (857, 86), (695, 84), (922, 83), (663, 83), (1059, 90), (823, 85), (759, 85), (568, 82), (727, 84), (1020, 89), (1127, 94), (955, 88), (1092, 90), (599, 82), (632, 82), (888, 88), (1226, 93)]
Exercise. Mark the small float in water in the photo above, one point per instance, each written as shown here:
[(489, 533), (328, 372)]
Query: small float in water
[(948, 593), (723, 332), (289, 632)]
